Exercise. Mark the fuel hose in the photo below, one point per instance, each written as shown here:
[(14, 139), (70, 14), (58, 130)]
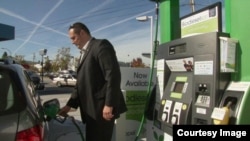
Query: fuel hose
[(151, 73), (78, 128)]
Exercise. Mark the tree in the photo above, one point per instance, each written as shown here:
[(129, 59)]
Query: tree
[(47, 66), (137, 63), (62, 58), (5, 55)]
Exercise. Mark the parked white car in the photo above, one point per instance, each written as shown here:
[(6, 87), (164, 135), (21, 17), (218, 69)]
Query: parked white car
[(65, 80)]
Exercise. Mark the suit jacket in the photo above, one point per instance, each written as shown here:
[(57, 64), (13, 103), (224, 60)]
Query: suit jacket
[(98, 81)]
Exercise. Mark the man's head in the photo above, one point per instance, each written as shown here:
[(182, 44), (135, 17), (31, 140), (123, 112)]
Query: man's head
[(79, 34)]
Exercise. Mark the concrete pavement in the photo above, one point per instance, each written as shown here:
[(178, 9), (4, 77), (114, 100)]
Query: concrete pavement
[(63, 98)]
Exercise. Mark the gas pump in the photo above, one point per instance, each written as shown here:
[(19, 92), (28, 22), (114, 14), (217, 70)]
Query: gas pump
[(193, 83)]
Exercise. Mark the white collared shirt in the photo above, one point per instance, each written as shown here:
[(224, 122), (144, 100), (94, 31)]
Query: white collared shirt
[(84, 49)]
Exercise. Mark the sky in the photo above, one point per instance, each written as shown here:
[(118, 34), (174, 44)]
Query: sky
[(43, 24)]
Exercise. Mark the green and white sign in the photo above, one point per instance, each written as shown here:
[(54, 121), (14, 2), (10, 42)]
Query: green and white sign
[(202, 21), (134, 83)]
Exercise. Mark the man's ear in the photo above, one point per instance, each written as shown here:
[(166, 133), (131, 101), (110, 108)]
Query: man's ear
[(82, 33)]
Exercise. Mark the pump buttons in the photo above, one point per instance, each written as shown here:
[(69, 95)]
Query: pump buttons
[(174, 119), (202, 87), (164, 116)]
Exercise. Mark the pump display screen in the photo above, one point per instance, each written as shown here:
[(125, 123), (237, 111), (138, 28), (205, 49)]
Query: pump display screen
[(178, 87)]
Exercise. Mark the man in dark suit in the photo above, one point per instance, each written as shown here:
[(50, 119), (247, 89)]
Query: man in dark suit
[(97, 91)]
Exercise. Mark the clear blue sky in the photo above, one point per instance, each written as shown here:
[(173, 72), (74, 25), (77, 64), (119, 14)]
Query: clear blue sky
[(43, 24)]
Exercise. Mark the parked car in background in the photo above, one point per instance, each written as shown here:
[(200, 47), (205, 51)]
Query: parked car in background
[(36, 79), (52, 75), (67, 72), (21, 111), (65, 80)]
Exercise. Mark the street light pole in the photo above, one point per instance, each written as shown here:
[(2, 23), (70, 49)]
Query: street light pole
[(146, 18), (42, 52), (143, 19), (42, 68)]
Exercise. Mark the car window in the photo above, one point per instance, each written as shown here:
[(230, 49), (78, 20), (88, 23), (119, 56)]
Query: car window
[(28, 79), (74, 76), (63, 76), (32, 95), (6, 92)]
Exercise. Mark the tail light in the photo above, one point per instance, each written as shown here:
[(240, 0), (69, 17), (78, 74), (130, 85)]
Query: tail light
[(32, 134)]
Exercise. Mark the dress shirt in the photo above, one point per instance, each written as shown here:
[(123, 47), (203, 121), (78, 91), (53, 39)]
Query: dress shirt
[(83, 50)]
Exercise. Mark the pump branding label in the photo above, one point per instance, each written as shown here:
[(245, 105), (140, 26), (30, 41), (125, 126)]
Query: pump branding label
[(135, 101)]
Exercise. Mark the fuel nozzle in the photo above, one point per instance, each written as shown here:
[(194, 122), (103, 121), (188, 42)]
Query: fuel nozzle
[(225, 120), (51, 108), (229, 103)]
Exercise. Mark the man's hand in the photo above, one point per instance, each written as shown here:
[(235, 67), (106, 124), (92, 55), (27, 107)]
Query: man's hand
[(64, 111), (107, 112)]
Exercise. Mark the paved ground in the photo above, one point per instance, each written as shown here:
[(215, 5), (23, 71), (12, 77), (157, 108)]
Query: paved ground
[(63, 97), (62, 94)]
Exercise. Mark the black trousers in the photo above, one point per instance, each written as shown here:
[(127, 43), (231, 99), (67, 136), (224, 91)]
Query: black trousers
[(99, 130)]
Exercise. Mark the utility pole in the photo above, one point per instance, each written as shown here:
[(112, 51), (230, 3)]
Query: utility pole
[(34, 56), (192, 5)]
